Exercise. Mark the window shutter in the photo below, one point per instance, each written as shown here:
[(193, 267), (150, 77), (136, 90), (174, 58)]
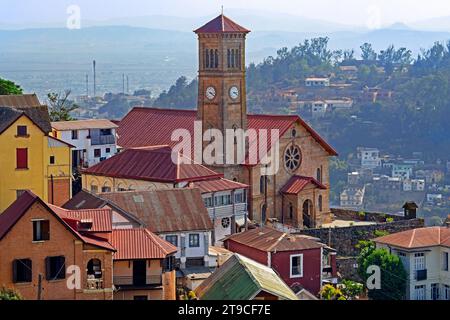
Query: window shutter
[(14, 265), (61, 268), (22, 158), (45, 230), (48, 271)]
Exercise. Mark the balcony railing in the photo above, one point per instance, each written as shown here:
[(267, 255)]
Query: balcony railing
[(94, 284), (421, 275), (101, 140), (137, 281)]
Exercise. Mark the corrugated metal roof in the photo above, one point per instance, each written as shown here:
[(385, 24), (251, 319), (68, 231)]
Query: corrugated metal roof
[(143, 127), (216, 185), (84, 200), (101, 218), (271, 240), (221, 24), (418, 238), (139, 244), (83, 124), (165, 211), (240, 278), (18, 208), (297, 183), (20, 100), (151, 164)]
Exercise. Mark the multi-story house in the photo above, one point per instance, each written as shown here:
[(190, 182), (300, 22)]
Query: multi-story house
[(352, 197), (153, 169), (40, 248), (30, 158), (402, 171), (369, 157), (317, 82), (300, 261), (425, 256), (319, 109), (93, 140)]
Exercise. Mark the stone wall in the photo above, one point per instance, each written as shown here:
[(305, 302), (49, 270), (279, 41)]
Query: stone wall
[(346, 214), (345, 239)]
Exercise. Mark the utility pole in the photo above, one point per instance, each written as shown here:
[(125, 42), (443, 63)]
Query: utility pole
[(128, 85), (123, 83), (87, 85)]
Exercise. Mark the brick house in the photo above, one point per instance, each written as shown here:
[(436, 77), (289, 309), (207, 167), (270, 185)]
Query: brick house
[(38, 246), (302, 262)]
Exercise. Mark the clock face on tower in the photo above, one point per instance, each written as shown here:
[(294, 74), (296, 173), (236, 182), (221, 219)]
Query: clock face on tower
[(210, 93), (234, 92)]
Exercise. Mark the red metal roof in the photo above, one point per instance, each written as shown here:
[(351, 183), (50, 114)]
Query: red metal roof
[(17, 209), (143, 127), (215, 185), (298, 183), (140, 244), (221, 24), (101, 218), (164, 211), (271, 240), (151, 164), (418, 238)]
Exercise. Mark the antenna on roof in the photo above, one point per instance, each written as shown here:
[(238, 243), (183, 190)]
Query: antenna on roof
[(222, 9)]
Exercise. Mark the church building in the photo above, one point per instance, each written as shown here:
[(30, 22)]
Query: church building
[(296, 194)]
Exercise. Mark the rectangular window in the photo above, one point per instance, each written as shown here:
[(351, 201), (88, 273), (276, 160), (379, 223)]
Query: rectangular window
[(445, 261), (22, 270), (419, 292), (297, 266), (106, 189), (108, 150), (194, 240), (74, 134), (97, 153), (41, 230), (22, 158), (239, 198), (435, 291), (22, 131), (52, 159), (105, 132), (208, 202), (419, 261), (55, 268), (173, 239), (446, 292)]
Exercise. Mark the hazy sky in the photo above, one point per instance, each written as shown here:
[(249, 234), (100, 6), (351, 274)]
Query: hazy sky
[(352, 12)]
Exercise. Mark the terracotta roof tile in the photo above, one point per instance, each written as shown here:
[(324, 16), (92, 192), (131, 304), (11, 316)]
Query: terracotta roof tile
[(139, 244)]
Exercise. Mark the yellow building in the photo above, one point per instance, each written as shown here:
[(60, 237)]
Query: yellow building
[(31, 159)]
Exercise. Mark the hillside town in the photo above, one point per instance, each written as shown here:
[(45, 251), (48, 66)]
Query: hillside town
[(128, 208)]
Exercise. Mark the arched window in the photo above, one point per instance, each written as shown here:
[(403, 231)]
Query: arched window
[(320, 203), (94, 269), (216, 58), (94, 188), (229, 58), (232, 58), (291, 211), (234, 127), (207, 58), (236, 58), (293, 133), (307, 213), (319, 175), (262, 184)]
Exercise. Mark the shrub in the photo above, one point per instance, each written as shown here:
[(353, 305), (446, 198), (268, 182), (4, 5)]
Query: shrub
[(9, 294)]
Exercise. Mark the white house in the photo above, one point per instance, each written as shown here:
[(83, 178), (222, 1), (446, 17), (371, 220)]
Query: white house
[(434, 197), (413, 185), (318, 109), (94, 140), (352, 197), (369, 157), (402, 171), (339, 104), (424, 253), (317, 82)]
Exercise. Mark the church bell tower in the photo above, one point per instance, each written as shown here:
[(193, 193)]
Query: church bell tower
[(221, 88)]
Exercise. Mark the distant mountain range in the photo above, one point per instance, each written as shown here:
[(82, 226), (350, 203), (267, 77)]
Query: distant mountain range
[(155, 50)]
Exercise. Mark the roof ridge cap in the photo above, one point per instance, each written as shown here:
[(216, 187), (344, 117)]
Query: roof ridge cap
[(412, 238)]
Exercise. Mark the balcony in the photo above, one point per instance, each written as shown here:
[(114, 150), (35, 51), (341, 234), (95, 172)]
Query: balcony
[(149, 280), (94, 284), (421, 275), (102, 140)]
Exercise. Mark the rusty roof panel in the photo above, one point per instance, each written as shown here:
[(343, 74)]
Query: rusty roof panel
[(165, 211), (101, 218), (215, 185), (297, 183)]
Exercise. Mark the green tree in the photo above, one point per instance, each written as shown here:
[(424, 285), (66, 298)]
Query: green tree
[(60, 106), (8, 87), (351, 289), (9, 294), (393, 274), (367, 52), (329, 292)]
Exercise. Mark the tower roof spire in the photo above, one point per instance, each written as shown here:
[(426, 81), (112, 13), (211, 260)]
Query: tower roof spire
[(221, 24)]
